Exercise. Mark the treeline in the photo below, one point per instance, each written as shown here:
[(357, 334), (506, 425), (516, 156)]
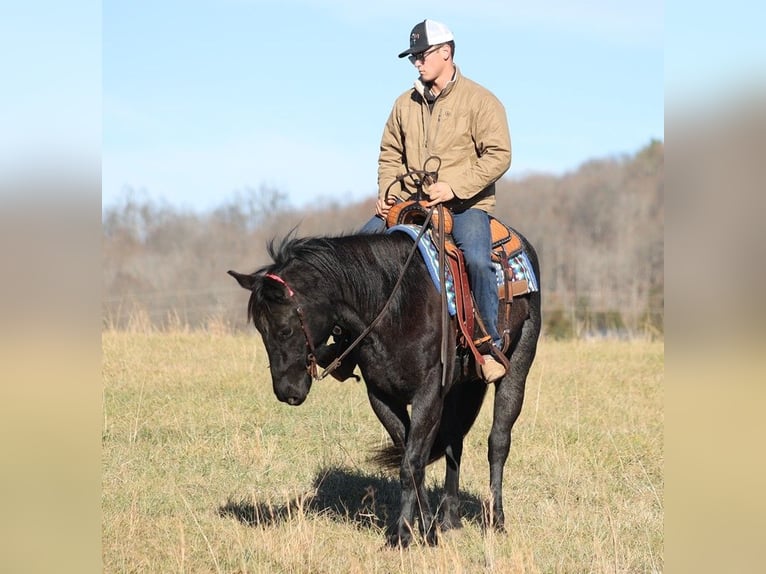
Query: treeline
[(598, 230)]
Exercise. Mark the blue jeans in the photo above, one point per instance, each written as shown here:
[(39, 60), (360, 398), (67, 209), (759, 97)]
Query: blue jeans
[(472, 235), (374, 225)]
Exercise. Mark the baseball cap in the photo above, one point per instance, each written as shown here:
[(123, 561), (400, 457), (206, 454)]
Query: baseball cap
[(425, 34)]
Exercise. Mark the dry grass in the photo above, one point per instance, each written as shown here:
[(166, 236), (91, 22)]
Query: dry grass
[(205, 471)]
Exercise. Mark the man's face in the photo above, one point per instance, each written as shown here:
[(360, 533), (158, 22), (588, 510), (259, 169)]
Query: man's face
[(430, 63)]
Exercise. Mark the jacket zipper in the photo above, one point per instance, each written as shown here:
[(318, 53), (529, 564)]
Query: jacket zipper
[(436, 129), (438, 123)]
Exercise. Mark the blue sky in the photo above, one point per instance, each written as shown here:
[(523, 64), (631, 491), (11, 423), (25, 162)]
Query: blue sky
[(205, 98), (50, 88), (192, 101)]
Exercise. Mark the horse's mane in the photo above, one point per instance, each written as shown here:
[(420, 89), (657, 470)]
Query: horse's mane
[(319, 252), (359, 267)]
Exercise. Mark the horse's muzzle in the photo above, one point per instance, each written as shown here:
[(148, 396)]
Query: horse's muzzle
[(293, 393), (294, 401)]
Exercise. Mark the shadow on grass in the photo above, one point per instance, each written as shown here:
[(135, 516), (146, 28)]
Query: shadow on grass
[(344, 495)]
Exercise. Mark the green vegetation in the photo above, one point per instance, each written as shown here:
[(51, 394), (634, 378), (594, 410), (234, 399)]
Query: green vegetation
[(205, 471)]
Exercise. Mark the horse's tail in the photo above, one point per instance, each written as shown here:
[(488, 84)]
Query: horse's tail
[(467, 399), (388, 457)]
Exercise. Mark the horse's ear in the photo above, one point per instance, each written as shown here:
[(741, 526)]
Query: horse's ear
[(246, 281)]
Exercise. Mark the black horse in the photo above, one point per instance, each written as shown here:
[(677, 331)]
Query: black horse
[(321, 286)]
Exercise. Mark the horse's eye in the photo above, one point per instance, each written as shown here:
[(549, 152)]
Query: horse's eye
[(285, 334)]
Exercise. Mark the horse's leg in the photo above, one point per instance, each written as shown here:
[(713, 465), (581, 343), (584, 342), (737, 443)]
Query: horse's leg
[(327, 353), (452, 436), (450, 504), (396, 420), (425, 417), (509, 396), (461, 407), (392, 415)]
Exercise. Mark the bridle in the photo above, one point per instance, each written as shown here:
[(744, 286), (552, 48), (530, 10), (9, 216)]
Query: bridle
[(311, 360)]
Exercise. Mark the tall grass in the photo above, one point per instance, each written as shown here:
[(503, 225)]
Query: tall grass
[(205, 471)]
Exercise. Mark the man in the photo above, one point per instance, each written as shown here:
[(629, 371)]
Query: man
[(451, 117)]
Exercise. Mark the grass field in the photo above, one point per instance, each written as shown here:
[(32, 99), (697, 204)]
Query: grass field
[(205, 471)]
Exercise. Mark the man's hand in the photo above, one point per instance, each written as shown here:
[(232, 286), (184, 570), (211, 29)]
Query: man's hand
[(383, 206), (439, 192)]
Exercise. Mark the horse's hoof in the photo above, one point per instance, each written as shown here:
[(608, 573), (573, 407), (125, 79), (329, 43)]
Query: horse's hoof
[(396, 540), (431, 537), (451, 523), (494, 517)]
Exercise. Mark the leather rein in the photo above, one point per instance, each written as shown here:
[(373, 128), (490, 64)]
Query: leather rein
[(311, 362)]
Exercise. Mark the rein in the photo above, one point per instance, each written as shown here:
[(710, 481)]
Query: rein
[(311, 362), (428, 177), (339, 359)]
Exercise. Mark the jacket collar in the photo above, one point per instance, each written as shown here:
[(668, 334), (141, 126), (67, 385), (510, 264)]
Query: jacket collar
[(425, 92)]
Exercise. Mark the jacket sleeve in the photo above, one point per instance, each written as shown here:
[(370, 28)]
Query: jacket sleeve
[(492, 139), (391, 158)]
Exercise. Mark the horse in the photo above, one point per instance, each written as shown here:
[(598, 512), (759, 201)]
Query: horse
[(322, 286)]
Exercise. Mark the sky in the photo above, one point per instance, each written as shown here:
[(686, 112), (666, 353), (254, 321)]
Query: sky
[(204, 99), (190, 102)]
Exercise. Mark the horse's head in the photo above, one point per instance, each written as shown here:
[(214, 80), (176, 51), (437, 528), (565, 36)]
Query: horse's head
[(282, 319)]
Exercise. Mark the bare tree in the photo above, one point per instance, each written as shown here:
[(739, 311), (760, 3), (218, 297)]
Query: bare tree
[(599, 232)]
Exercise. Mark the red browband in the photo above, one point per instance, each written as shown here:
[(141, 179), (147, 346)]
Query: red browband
[(278, 279)]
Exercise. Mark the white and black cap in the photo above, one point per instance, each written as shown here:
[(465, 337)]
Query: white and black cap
[(426, 34)]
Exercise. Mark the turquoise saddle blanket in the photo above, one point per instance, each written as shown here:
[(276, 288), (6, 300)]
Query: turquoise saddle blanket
[(519, 264)]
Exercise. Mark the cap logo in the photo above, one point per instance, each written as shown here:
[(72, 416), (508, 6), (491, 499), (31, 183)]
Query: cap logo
[(414, 37)]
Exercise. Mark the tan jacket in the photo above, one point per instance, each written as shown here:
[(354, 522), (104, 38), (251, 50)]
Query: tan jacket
[(467, 128)]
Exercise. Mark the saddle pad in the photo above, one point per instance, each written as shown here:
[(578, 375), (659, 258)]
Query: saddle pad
[(519, 264), (431, 257), (522, 270)]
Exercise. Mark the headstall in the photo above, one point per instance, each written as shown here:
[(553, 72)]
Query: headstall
[(311, 361)]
